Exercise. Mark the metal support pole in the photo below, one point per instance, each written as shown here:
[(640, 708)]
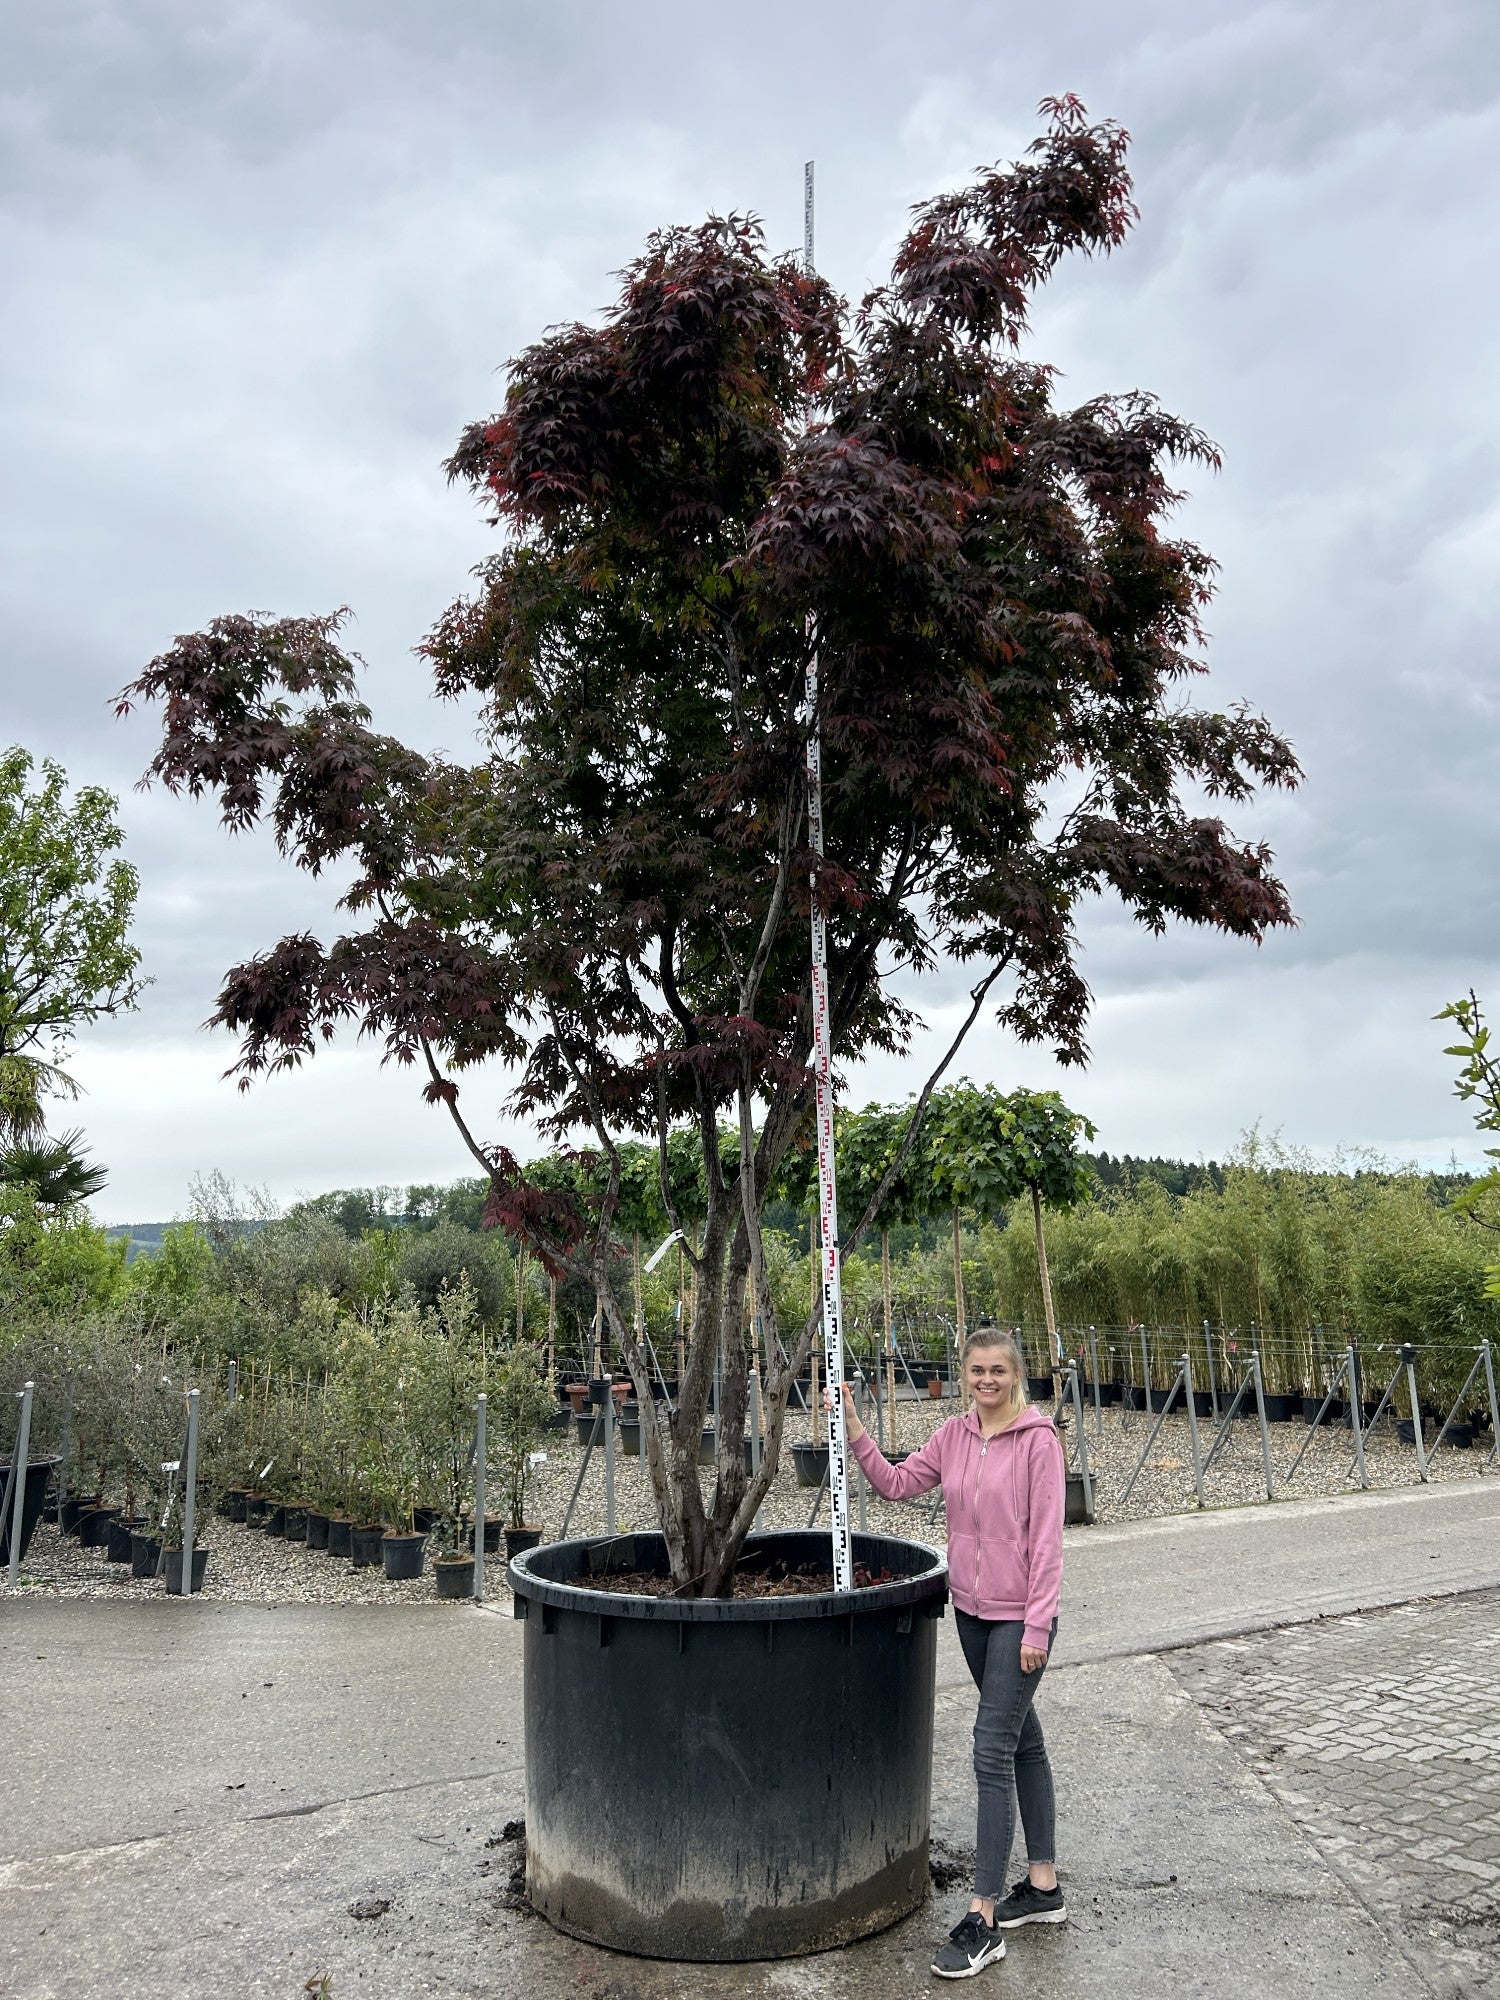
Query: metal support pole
[(609, 1462), (1265, 1428), (1213, 1380), (481, 1452), (588, 1452), (1171, 1397), (1356, 1416), (1489, 1376), (190, 1495), (1083, 1444), (1409, 1363), (16, 1485), (1192, 1417), (1145, 1370), (1098, 1399)]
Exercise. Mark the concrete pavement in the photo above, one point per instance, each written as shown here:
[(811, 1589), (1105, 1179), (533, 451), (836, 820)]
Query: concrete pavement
[(194, 1796)]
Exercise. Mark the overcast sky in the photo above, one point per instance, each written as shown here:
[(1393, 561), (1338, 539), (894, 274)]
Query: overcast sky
[(263, 261)]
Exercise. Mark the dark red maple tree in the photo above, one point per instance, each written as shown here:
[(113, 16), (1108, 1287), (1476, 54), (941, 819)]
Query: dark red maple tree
[(613, 899)]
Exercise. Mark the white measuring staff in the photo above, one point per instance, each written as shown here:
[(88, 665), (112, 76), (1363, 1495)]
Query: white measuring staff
[(828, 1208)]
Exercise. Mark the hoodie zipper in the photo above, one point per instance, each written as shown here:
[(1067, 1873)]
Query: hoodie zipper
[(978, 1475)]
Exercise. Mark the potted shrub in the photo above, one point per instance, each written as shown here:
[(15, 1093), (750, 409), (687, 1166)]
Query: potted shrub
[(520, 1403), (612, 899)]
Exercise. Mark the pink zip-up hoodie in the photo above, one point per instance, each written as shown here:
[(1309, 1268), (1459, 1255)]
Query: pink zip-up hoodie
[(1004, 1502)]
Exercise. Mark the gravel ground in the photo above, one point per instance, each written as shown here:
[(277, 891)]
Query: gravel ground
[(247, 1565)]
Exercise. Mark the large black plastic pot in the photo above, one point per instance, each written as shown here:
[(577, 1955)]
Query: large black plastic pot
[(670, 1809), (38, 1472), (810, 1462), (403, 1556), (172, 1565)]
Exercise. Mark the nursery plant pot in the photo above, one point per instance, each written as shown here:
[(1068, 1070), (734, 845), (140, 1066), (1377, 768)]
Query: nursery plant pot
[(118, 1539), (630, 1436), (1203, 1403), (1075, 1512), (364, 1546), (38, 1472), (425, 1519), (1133, 1396), (93, 1527), (144, 1551), (707, 1446), (234, 1503), (935, 1387), (172, 1565), (1460, 1436), (810, 1462), (705, 1831), (74, 1507), (454, 1576), (578, 1395), (1109, 1394), (559, 1422), (294, 1523), (317, 1530), (1040, 1388), (493, 1526), (1406, 1431), (257, 1505), (518, 1540), (340, 1533), (404, 1556), (275, 1518)]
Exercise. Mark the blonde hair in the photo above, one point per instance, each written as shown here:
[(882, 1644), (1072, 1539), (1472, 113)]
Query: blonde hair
[(1001, 1337)]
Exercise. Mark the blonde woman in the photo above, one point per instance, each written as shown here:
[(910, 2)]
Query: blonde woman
[(1000, 1465)]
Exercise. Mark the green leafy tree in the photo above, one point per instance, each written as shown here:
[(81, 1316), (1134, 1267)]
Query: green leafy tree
[(1478, 1085), (65, 953)]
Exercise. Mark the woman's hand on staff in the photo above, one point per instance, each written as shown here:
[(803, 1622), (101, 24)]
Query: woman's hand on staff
[(853, 1428)]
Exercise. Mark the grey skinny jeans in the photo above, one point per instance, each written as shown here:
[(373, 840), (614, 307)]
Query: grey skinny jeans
[(1010, 1755)]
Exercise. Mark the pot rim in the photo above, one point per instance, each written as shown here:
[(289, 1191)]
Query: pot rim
[(928, 1584)]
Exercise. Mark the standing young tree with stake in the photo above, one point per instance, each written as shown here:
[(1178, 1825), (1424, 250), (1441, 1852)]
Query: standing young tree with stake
[(614, 900)]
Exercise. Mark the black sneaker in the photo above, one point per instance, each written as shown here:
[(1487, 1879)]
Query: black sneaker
[(1027, 1904), (972, 1945)]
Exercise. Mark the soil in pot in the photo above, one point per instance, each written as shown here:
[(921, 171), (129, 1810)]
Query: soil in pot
[(294, 1523), (454, 1576), (172, 1564), (317, 1530), (517, 1540), (144, 1550), (340, 1531), (673, 1854), (117, 1544), (364, 1546), (404, 1556)]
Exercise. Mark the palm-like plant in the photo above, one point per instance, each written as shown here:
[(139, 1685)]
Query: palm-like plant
[(57, 1173)]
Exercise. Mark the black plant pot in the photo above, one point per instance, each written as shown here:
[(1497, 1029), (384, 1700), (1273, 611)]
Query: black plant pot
[(1280, 1408), (118, 1539), (1041, 1388), (560, 1420), (630, 1436), (340, 1535), (454, 1576), (275, 1518), (257, 1506), (1460, 1436), (1406, 1432), (1075, 1513), (38, 1472), (294, 1523), (1110, 1393), (493, 1528), (705, 1831), (404, 1556), (364, 1546), (1133, 1396), (317, 1530), (144, 1552), (1203, 1403), (93, 1527), (425, 1519), (810, 1462), (74, 1508), (233, 1508), (172, 1564), (707, 1446), (519, 1540)]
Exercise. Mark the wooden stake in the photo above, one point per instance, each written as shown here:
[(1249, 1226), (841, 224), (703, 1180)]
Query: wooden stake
[(960, 1318), (551, 1326), (1053, 1352)]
